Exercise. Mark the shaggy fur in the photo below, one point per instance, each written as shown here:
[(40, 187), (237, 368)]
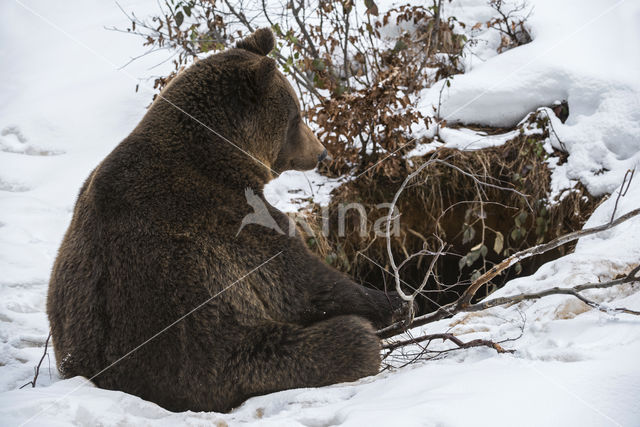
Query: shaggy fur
[(153, 236)]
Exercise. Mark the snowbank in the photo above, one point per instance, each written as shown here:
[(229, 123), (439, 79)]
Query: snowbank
[(583, 52)]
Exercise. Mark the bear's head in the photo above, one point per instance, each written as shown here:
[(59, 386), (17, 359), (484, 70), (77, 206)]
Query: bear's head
[(290, 143), (240, 96)]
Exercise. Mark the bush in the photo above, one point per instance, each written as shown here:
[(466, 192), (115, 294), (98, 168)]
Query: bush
[(357, 85)]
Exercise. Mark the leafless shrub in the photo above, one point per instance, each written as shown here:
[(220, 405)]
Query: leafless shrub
[(511, 23), (356, 83)]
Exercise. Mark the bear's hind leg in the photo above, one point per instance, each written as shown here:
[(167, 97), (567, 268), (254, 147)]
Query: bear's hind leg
[(279, 356)]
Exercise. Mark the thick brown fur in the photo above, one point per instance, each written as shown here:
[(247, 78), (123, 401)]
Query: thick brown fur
[(153, 236)]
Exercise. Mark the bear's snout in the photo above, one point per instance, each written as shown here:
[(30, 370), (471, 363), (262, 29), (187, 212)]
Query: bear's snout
[(324, 156)]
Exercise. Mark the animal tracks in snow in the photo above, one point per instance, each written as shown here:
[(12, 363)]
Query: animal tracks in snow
[(13, 140)]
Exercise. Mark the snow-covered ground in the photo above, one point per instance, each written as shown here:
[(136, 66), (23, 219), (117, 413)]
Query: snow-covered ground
[(66, 105)]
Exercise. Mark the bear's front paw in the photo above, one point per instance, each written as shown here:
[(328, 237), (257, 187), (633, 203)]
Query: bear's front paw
[(394, 309), (404, 311)]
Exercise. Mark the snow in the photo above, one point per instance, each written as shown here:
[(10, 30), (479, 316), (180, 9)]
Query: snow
[(295, 190), (66, 108), (461, 139), (582, 52), (67, 105)]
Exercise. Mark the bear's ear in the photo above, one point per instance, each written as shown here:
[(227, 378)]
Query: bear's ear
[(261, 42), (262, 73)]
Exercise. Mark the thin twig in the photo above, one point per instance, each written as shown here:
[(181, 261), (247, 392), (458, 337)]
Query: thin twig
[(623, 191), (629, 278), (37, 368), (447, 336)]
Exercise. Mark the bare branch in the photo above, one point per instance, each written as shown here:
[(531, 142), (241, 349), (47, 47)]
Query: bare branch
[(623, 191), (450, 337), (395, 267), (303, 29), (470, 292), (629, 278), (449, 310), (37, 368)]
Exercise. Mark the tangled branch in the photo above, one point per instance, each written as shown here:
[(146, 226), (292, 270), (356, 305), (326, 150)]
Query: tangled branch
[(450, 337), (464, 302), (633, 276)]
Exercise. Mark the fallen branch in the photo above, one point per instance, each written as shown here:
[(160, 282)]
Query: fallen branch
[(470, 292), (425, 352), (37, 368), (629, 278), (447, 336), (449, 310)]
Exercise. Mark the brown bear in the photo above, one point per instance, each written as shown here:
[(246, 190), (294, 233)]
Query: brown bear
[(155, 293)]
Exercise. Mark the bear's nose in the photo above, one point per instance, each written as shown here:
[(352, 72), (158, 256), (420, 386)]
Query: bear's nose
[(324, 156)]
